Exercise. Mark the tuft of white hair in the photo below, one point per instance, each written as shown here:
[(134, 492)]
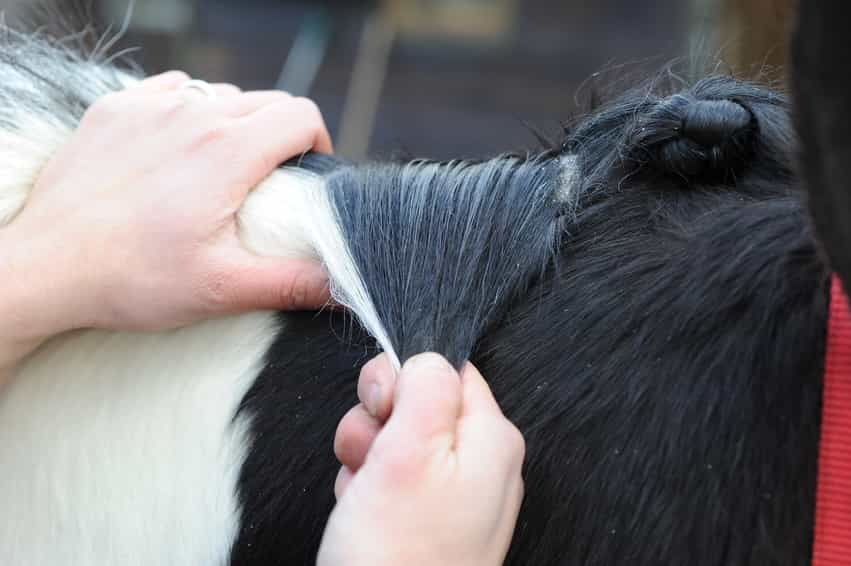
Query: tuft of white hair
[(45, 91), (125, 448)]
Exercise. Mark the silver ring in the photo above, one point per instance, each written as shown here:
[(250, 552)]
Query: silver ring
[(201, 86)]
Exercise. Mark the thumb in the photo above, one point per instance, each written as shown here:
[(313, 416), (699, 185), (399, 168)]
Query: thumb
[(428, 399), (275, 283), (478, 398), (486, 435)]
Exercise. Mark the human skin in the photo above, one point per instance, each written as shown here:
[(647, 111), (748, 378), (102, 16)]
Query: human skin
[(132, 224), (431, 470)]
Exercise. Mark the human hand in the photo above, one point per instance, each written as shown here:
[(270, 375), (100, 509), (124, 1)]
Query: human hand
[(431, 470), (133, 221)]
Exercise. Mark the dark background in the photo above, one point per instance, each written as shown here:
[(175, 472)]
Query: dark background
[(441, 78)]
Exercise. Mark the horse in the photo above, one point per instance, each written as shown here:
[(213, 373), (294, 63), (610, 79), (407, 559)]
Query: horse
[(648, 300)]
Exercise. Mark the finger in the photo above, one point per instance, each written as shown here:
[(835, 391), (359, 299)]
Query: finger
[(355, 434), (478, 398), (220, 93), (161, 83), (376, 386), (427, 404), (226, 90), (485, 431), (344, 477), (257, 283), (283, 130), (249, 102)]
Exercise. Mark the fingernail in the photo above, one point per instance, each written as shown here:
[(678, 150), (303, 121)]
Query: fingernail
[(373, 399), (428, 362)]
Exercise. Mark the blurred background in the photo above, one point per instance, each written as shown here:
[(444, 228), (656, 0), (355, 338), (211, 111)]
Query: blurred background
[(443, 78)]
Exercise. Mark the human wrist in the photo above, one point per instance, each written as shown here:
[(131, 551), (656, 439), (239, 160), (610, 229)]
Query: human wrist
[(40, 284)]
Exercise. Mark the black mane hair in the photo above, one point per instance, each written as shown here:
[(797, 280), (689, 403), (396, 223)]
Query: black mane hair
[(441, 247), (655, 328), (646, 299)]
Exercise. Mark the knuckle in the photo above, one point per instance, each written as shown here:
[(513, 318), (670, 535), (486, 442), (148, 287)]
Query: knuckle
[(165, 109), (174, 76), (104, 109), (226, 89), (215, 134), (295, 292), (341, 439), (377, 371), (310, 109)]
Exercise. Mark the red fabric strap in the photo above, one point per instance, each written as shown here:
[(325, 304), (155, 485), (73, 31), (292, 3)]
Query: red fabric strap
[(832, 541)]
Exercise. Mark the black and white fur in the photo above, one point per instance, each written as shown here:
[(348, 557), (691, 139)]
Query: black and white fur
[(647, 302)]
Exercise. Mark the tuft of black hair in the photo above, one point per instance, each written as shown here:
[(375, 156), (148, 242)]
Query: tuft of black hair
[(443, 247), (708, 133)]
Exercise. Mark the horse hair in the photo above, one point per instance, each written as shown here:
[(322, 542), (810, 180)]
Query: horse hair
[(646, 299)]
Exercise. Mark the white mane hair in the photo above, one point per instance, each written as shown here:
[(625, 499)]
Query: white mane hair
[(46, 88), (120, 447)]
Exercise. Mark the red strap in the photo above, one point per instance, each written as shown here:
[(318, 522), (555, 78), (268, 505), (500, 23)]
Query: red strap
[(832, 542)]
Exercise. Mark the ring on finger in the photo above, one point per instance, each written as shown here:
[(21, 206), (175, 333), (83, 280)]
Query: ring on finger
[(201, 86)]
